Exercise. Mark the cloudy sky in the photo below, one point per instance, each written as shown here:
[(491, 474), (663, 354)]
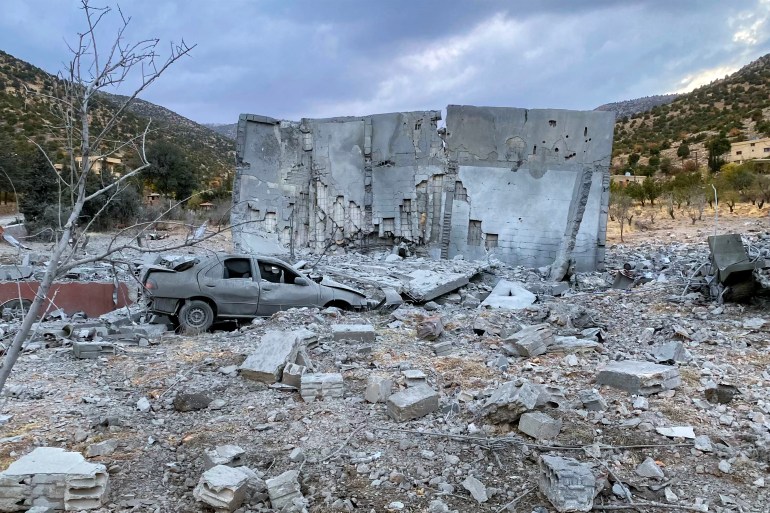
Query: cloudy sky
[(316, 58)]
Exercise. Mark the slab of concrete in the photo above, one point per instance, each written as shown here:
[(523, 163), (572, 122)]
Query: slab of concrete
[(425, 285), (532, 340), (539, 426), (92, 350), (274, 350), (354, 332), (509, 295), (55, 478), (222, 487), (638, 377), (229, 455), (321, 386), (509, 401), (412, 403), (569, 484), (378, 389), (284, 489)]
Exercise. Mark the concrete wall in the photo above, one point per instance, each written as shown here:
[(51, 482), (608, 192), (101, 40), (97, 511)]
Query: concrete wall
[(511, 182)]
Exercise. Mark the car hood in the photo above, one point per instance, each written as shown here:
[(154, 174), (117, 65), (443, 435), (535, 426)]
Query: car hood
[(339, 286)]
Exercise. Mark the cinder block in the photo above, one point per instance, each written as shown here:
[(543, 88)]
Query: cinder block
[(538, 425), (567, 483), (412, 403), (354, 332), (378, 389), (284, 489), (638, 377), (321, 386), (222, 487)]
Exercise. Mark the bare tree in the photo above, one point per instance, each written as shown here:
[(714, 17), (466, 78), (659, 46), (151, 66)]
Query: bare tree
[(87, 140), (619, 209)]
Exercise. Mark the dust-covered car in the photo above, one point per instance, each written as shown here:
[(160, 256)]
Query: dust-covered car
[(196, 292)]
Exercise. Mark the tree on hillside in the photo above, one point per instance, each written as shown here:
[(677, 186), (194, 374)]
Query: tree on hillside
[(717, 146), (620, 206), (683, 151), (39, 188), (94, 67), (169, 173), (651, 189)]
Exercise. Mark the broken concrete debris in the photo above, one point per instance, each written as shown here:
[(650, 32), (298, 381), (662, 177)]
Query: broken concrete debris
[(425, 285), (284, 490), (191, 402), (539, 425), (509, 401), (92, 350), (292, 375), (274, 350), (532, 340), (649, 468), (321, 386), (476, 488), (638, 377), (229, 455), (222, 487), (412, 403), (378, 389), (510, 296), (53, 478), (354, 332), (592, 400), (568, 484), (430, 328)]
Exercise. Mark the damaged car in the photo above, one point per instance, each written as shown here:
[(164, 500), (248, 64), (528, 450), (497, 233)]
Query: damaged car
[(196, 292)]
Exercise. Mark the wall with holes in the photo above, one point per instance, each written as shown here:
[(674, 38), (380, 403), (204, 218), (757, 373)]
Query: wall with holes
[(499, 181)]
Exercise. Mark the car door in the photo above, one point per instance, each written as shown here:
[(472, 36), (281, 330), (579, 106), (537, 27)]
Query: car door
[(281, 288), (233, 285)]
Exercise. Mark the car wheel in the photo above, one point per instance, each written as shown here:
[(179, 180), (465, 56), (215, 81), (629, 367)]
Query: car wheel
[(196, 317)]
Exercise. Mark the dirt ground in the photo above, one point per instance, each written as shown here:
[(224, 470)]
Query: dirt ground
[(357, 459)]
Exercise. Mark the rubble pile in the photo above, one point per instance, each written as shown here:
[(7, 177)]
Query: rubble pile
[(583, 396)]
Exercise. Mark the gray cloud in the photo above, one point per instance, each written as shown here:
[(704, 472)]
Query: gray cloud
[(338, 57)]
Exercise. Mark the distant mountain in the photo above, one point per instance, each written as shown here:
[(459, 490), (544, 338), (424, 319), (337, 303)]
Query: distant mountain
[(25, 113), (738, 104), (631, 107), (229, 130)]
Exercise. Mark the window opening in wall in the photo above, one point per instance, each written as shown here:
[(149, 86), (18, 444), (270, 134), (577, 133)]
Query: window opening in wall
[(552, 122), (418, 125), (490, 241), (474, 233), (461, 193), (534, 150)]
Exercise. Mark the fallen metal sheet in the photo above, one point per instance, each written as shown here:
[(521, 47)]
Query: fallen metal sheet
[(93, 298)]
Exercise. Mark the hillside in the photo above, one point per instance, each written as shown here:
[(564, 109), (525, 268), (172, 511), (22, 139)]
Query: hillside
[(229, 130), (738, 104), (26, 113), (637, 105)]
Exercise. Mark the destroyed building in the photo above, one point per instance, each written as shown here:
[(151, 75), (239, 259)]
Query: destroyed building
[(516, 183)]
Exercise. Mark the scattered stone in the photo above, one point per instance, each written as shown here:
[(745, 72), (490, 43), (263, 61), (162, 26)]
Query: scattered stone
[(672, 352), (725, 467), (638, 377), (565, 345), (703, 443), (292, 375), (378, 389), (222, 487), (354, 332), (425, 285), (274, 351), (91, 350), (567, 483), (443, 348), (509, 295), (191, 402), (297, 455), (721, 393), (641, 403), (592, 400), (532, 340), (431, 306), (476, 488), (284, 489), (430, 328), (414, 377), (509, 401), (412, 403), (143, 405), (104, 448), (539, 426), (55, 478), (677, 432), (321, 386), (229, 455), (648, 468)]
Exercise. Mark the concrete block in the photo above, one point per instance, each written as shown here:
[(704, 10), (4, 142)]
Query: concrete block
[(104, 448), (412, 403), (284, 489), (673, 351), (229, 455), (292, 374), (538, 425), (321, 386), (91, 350), (414, 377), (509, 295), (640, 378), (354, 332), (425, 285), (274, 351), (222, 487), (509, 401), (532, 340), (567, 483), (378, 389), (430, 328), (52, 477), (592, 400), (443, 348), (567, 345)]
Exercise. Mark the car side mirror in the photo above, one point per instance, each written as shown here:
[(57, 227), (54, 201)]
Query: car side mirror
[(301, 281)]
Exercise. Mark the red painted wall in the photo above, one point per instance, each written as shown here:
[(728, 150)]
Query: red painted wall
[(93, 298)]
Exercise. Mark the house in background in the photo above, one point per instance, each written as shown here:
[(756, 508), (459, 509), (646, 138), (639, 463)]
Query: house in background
[(750, 150)]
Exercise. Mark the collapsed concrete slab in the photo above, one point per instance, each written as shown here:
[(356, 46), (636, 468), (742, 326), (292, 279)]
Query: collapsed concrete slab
[(54, 478), (412, 403), (222, 487), (509, 295), (354, 332), (274, 350), (532, 340), (509, 401), (568, 484), (472, 190), (425, 285), (640, 378)]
